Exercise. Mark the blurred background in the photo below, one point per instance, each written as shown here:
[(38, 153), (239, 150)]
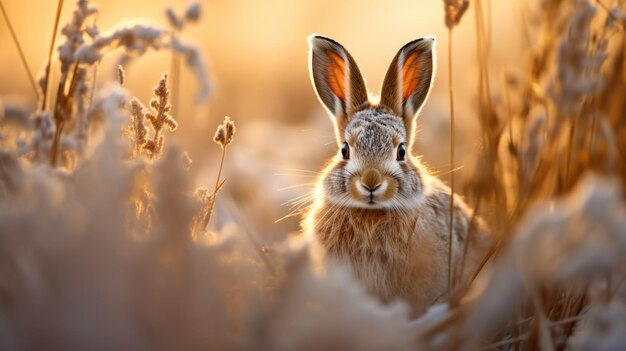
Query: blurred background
[(257, 57)]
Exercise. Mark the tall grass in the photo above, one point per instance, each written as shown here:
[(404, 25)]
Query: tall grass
[(31, 77), (46, 78), (113, 245), (454, 12)]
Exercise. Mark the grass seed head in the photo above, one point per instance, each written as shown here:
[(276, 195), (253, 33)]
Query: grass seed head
[(225, 132), (455, 9), (193, 12)]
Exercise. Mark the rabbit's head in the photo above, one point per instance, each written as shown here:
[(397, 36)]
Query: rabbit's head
[(373, 167)]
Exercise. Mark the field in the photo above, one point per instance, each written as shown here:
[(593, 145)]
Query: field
[(135, 215)]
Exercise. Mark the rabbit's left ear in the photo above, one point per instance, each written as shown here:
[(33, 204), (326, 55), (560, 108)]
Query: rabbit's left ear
[(337, 79), (409, 79)]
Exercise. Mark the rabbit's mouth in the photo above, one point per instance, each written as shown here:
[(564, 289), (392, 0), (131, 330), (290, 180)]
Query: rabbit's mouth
[(371, 194)]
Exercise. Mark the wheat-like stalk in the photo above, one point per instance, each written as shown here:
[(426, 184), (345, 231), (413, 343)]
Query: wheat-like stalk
[(159, 117)]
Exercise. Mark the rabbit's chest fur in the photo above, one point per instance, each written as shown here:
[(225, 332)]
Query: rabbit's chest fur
[(395, 255)]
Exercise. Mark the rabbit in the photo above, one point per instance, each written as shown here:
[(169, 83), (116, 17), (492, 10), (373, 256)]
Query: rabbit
[(376, 209)]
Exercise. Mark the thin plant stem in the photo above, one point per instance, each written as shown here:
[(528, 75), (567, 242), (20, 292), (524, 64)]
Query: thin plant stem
[(66, 110), (218, 186), (570, 147), (95, 73), (219, 171), (49, 66), (55, 143), (94, 81), (451, 94), (31, 77), (594, 127)]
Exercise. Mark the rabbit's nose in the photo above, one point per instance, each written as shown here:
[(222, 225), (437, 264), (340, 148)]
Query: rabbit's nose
[(371, 179), (371, 190)]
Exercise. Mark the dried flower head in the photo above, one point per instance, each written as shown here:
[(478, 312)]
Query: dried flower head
[(455, 9), (225, 132)]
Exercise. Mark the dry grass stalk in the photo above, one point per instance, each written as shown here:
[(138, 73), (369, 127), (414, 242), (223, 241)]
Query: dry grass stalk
[(548, 153), (159, 117), (75, 32), (62, 113), (454, 10), (224, 135), (46, 77), (452, 146), (31, 77)]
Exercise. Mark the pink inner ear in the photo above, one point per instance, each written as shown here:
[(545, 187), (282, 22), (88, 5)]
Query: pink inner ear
[(336, 74), (410, 75)]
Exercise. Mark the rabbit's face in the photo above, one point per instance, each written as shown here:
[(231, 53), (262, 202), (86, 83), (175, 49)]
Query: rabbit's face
[(373, 168)]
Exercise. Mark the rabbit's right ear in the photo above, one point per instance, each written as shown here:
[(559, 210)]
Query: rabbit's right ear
[(409, 79), (337, 79)]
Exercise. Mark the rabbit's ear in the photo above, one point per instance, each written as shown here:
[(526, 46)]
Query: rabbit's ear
[(409, 78), (337, 79)]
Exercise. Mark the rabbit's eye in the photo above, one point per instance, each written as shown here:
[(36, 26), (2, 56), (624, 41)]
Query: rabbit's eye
[(345, 151), (401, 152)]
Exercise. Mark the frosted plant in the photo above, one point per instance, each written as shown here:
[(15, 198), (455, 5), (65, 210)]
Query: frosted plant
[(11, 174), (135, 37), (75, 32), (38, 146), (172, 18), (191, 14), (224, 135), (137, 129), (159, 117), (579, 61), (570, 243), (605, 329)]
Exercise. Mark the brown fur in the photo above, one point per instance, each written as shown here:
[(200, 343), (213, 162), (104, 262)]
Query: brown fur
[(398, 254)]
